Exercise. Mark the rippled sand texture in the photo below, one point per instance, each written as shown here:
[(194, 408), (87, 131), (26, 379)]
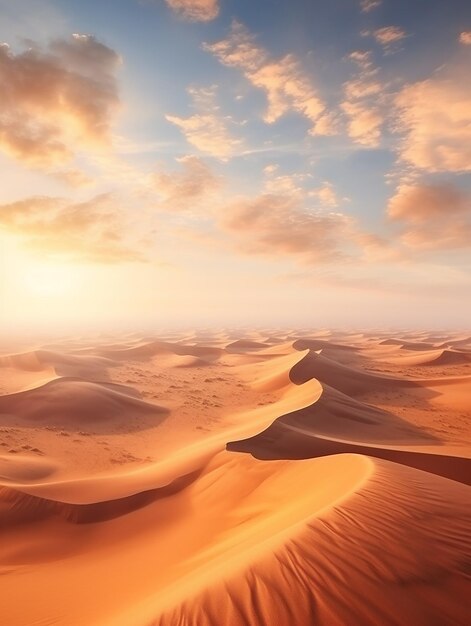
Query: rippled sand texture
[(272, 477)]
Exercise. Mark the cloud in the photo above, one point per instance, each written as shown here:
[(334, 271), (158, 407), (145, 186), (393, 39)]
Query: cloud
[(388, 35), (435, 118), (279, 225), (433, 217), (195, 10), (294, 185), (465, 38), (72, 177), (368, 5), (289, 184), (362, 89), (326, 195), (363, 100), (419, 203), (287, 86), (57, 99), (207, 129), (183, 190), (362, 58), (85, 231), (364, 125), (270, 169)]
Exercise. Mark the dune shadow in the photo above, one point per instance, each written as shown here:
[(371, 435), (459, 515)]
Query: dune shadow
[(75, 405), (285, 441)]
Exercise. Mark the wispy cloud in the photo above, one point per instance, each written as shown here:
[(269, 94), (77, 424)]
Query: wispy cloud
[(185, 189), (93, 231), (364, 122), (387, 36), (287, 86), (326, 195), (208, 129), (362, 104)]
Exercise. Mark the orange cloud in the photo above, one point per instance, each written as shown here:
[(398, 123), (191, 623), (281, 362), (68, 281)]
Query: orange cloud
[(294, 186), (362, 101), (362, 58), (326, 195), (435, 117), (56, 99), (364, 124), (274, 225), (182, 190), (290, 184), (195, 10), (388, 35), (207, 129), (433, 216), (84, 231), (465, 38), (362, 89), (287, 86)]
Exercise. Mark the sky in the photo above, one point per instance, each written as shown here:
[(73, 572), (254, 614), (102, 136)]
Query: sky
[(205, 163)]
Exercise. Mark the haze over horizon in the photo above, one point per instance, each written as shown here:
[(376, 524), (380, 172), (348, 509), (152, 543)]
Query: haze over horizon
[(211, 163)]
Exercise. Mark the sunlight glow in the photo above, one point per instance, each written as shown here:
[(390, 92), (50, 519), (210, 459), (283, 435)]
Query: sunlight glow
[(50, 280)]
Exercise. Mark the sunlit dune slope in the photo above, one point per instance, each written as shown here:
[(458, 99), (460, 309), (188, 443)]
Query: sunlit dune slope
[(249, 542)]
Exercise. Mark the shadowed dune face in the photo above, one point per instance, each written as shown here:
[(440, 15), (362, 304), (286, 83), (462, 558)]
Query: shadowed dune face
[(285, 441), (346, 379), (434, 357), (264, 478), (73, 403)]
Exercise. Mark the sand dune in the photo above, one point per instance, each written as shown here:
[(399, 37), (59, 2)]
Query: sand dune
[(45, 365), (177, 360), (253, 544), (408, 345), (150, 349), (220, 477), (73, 402), (346, 379), (381, 524), (434, 357), (320, 344), (462, 342), (242, 345), (292, 438), (339, 415)]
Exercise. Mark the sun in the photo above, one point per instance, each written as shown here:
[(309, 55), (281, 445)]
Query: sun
[(49, 280)]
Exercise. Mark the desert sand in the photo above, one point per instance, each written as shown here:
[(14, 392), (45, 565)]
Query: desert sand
[(236, 478)]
